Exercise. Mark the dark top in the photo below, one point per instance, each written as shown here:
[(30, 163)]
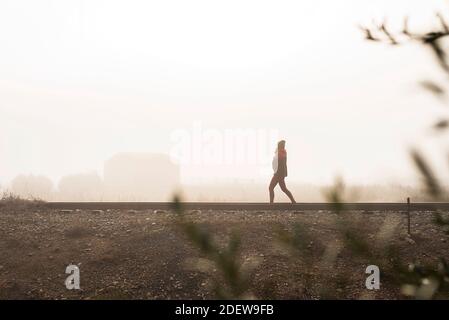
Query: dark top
[(282, 164)]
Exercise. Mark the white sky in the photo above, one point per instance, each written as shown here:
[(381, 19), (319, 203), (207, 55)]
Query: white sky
[(82, 80)]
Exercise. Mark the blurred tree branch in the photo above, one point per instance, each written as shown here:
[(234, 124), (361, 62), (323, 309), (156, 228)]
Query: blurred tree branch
[(432, 39)]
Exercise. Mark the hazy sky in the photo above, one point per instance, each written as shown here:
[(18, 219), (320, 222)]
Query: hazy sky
[(82, 80)]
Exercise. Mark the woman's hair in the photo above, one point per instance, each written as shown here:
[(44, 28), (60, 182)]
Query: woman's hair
[(281, 145)]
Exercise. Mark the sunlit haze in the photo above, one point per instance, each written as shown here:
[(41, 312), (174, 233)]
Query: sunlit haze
[(82, 81)]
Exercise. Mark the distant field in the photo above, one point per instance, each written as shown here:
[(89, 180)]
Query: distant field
[(126, 254)]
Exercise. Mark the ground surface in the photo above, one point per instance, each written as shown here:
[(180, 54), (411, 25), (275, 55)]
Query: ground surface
[(145, 255)]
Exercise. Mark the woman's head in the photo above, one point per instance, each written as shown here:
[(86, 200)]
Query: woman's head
[(281, 145)]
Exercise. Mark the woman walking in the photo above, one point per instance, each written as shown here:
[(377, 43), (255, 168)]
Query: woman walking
[(280, 172)]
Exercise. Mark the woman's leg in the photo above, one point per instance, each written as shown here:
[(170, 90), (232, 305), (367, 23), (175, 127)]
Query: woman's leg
[(273, 183), (286, 191)]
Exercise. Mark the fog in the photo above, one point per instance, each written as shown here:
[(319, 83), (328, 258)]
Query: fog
[(154, 177), (194, 95)]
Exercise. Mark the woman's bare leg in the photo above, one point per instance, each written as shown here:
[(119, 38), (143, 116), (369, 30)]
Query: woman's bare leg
[(286, 191), (273, 183)]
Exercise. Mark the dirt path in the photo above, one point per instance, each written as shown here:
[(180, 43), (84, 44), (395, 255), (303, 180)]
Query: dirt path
[(145, 255)]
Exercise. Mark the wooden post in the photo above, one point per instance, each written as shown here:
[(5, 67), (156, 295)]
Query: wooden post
[(408, 216)]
